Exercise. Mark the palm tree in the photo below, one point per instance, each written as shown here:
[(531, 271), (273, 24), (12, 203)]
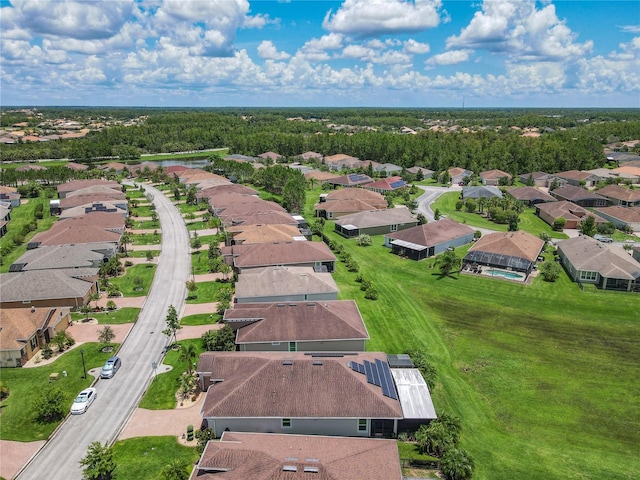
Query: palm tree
[(176, 470), (449, 262), (456, 464), (188, 354)]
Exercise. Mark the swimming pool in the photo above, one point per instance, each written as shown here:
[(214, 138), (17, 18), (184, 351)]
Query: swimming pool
[(505, 274)]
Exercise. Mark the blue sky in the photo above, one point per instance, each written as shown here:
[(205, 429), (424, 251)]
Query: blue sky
[(303, 53)]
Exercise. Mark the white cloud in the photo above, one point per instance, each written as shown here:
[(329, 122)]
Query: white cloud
[(451, 57), (259, 21), (379, 17), (316, 48), (630, 28), (517, 28), (268, 50), (411, 46)]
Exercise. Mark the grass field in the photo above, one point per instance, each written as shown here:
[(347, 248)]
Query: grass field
[(114, 317), (142, 253), (19, 420), (127, 284), (200, 319), (543, 377), (206, 292), (143, 458), (145, 238)]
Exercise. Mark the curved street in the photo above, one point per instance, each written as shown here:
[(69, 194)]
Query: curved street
[(118, 397)]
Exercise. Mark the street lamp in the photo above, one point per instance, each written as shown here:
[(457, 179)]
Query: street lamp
[(84, 369)]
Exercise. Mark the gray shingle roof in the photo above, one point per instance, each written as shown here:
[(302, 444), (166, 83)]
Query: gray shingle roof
[(279, 281), (610, 261), (44, 284)]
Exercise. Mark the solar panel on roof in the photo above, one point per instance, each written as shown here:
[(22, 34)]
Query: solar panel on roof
[(391, 388), (397, 184), (376, 375), (360, 368), (368, 371)]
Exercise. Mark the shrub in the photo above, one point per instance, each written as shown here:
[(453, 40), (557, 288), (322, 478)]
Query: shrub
[(49, 404), (128, 263), (352, 266), (371, 294), (359, 278), (363, 240), (550, 271), (190, 433), (111, 305), (459, 205), (47, 351)]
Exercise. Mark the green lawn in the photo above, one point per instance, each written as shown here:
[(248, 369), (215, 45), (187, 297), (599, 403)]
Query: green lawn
[(19, 420), (161, 394), (198, 225), (141, 211), (200, 262), (146, 238), (135, 194), (146, 225), (542, 376), (206, 292), (200, 319), (142, 253), (127, 283), (143, 458), (529, 222), (183, 156), (200, 207), (114, 317)]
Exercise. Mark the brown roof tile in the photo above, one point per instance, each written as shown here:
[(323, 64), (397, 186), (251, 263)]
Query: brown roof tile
[(282, 253), (433, 233), (518, 244)]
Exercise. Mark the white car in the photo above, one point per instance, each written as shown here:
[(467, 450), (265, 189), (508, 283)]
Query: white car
[(84, 399)]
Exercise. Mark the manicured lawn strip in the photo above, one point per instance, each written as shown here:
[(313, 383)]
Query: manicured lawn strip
[(529, 222), (134, 193), (542, 376), (200, 262), (145, 238), (143, 458), (20, 216), (410, 451), (182, 156), (19, 420), (207, 239), (200, 319), (206, 292), (126, 283), (146, 225), (114, 317), (141, 253), (200, 207), (161, 394), (141, 211), (198, 226)]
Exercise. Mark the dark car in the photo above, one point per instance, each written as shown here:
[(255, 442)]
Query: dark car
[(111, 367)]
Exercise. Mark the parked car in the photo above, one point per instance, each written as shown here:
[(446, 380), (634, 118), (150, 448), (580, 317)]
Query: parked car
[(110, 367), (603, 238), (83, 401)]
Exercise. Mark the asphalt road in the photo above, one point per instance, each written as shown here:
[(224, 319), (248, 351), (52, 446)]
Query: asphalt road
[(118, 397)]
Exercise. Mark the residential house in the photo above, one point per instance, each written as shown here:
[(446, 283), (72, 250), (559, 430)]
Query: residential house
[(579, 196), (285, 284), (11, 195), (76, 167), (205, 194), (628, 171), (635, 252), (81, 200), (353, 394), (538, 179), (70, 287), (621, 217), (332, 160), (240, 455), (348, 200), (320, 176), (117, 167), (572, 213), (622, 196), (426, 173), (270, 157), (203, 180), (5, 216), (386, 185), (249, 233), (610, 175), (309, 156), (481, 192), (350, 180), (430, 239), (530, 196), (115, 206), (176, 170), (326, 326), (230, 218), (25, 330), (388, 169), (90, 228), (299, 254), (74, 185), (458, 175), (83, 255), (516, 251), (145, 166), (105, 191), (375, 222), (493, 177), (608, 266), (578, 178)]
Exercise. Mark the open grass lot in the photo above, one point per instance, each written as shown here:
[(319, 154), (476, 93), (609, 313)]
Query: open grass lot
[(200, 262), (145, 238), (113, 317), (142, 253), (206, 292), (135, 194), (529, 222), (146, 225), (200, 207), (198, 225), (184, 156), (20, 216), (161, 394), (19, 420), (127, 283), (200, 319), (143, 458), (141, 211), (543, 377)]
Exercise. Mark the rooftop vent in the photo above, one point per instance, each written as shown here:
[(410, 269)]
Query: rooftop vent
[(289, 468), (310, 469), (317, 363), (287, 362)]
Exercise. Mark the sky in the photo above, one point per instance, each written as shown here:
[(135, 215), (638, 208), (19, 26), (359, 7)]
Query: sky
[(303, 53)]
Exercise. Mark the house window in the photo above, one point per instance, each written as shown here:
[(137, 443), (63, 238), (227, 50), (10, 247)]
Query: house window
[(362, 425), (329, 214), (33, 343), (275, 343), (589, 276), (286, 423), (293, 347), (394, 228)]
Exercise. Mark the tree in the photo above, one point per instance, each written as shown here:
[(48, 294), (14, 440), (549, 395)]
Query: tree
[(49, 404), (559, 223), (437, 214), (513, 220), (363, 240), (106, 335), (191, 195), (192, 286), (588, 226), (187, 386), (422, 220), (98, 463), (448, 262), (176, 470), (457, 464), (196, 243), (149, 255), (188, 354), (471, 205), (60, 339), (173, 323), (125, 239), (550, 271), (222, 340)]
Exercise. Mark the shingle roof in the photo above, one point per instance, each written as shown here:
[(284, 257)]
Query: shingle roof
[(491, 174), (91, 228), (59, 256), (518, 244), (320, 175), (263, 233), (257, 218), (378, 218), (481, 191), (577, 175), (262, 456), (626, 214), (567, 210), (226, 189), (390, 183), (353, 205), (279, 281), (351, 179), (610, 261), (44, 284), (17, 325), (576, 194), (373, 198), (110, 206), (620, 193), (338, 157), (257, 384), (529, 194), (433, 233), (74, 185), (284, 253)]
